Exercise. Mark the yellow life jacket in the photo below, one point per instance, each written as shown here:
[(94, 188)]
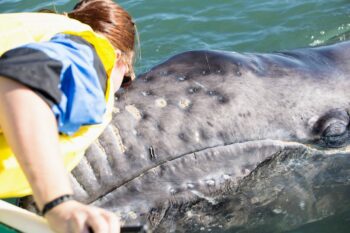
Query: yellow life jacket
[(17, 29)]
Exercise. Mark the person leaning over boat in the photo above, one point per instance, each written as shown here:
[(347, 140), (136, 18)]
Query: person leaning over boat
[(54, 72)]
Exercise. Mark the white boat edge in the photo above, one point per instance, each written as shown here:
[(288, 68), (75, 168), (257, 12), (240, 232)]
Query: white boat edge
[(22, 220)]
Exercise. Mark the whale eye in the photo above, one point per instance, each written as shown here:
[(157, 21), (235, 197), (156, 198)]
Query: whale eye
[(335, 135), (335, 129), (332, 128)]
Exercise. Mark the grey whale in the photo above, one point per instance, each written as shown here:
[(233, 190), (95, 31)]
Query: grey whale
[(215, 141)]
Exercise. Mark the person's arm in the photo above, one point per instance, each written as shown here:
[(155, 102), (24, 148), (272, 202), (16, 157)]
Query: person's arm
[(30, 129)]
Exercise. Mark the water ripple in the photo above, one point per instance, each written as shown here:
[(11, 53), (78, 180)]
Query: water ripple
[(172, 26)]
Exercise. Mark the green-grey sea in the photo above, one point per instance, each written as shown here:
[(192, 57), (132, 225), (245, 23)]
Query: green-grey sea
[(167, 27)]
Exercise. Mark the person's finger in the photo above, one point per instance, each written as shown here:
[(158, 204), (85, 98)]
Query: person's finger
[(113, 221), (77, 222), (97, 222), (87, 230)]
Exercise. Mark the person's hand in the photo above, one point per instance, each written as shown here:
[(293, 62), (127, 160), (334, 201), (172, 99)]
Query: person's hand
[(74, 217)]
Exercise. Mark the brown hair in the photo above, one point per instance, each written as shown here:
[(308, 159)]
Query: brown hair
[(112, 21)]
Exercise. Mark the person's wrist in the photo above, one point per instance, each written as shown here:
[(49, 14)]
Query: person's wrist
[(55, 202)]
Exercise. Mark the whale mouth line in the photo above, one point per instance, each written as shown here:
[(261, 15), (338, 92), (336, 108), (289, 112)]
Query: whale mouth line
[(240, 147)]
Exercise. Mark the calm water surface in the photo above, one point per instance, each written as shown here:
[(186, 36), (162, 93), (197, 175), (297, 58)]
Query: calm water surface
[(167, 27)]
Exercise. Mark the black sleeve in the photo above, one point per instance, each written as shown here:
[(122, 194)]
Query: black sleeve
[(34, 69)]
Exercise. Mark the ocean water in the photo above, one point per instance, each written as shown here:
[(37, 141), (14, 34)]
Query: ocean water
[(167, 27)]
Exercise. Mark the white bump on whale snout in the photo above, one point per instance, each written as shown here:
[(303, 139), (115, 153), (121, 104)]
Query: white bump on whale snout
[(161, 103), (210, 182), (132, 215), (277, 211), (184, 103), (134, 111), (197, 136), (116, 110), (190, 186)]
